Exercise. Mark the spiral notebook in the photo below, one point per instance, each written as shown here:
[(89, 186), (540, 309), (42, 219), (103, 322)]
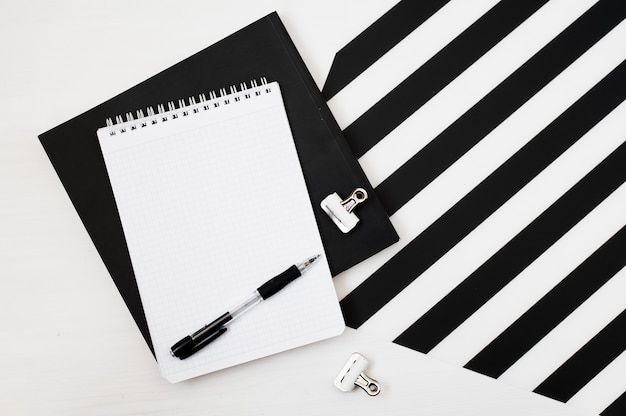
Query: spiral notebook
[(213, 202), (263, 48)]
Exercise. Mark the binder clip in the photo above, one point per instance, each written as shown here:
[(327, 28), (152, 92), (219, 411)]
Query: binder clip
[(353, 374), (340, 211)]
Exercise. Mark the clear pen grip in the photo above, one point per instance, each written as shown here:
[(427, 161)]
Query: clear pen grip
[(247, 304)]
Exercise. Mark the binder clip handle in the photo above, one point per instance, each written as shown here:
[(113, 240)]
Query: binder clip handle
[(368, 384), (353, 374), (357, 196)]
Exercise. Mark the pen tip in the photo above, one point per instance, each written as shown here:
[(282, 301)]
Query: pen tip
[(313, 258), (306, 263)]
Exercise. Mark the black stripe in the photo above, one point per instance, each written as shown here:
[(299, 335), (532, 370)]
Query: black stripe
[(376, 40), (588, 361), (551, 309), (516, 255), (439, 71), (364, 301), (617, 408), (501, 102)]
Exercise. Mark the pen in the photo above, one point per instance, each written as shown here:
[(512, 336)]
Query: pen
[(211, 331)]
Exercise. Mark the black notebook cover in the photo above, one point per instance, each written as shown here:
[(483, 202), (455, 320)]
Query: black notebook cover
[(261, 49)]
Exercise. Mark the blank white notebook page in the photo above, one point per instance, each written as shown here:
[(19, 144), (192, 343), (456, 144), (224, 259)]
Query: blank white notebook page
[(213, 204)]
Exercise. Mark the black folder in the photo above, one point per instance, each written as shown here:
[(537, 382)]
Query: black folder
[(262, 49)]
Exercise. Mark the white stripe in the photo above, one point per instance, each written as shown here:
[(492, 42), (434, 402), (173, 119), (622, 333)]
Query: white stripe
[(494, 149), (469, 88), (408, 55), (535, 281), (603, 389), (572, 334)]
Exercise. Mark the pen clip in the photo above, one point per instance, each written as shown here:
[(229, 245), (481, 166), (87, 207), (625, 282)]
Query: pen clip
[(187, 346), (209, 339)]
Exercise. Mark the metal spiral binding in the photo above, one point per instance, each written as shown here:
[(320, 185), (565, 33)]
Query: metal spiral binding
[(122, 124)]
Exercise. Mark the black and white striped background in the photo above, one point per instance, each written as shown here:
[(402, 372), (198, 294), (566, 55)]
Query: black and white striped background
[(494, 133)]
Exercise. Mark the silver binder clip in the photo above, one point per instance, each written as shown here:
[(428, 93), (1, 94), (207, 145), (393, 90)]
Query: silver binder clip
[(352, 374), (340, 211)]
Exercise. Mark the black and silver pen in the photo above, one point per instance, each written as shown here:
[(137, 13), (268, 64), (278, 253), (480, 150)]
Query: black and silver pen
[(208, 333)]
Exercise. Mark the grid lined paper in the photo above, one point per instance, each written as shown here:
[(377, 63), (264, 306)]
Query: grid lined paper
[(213, 204)]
